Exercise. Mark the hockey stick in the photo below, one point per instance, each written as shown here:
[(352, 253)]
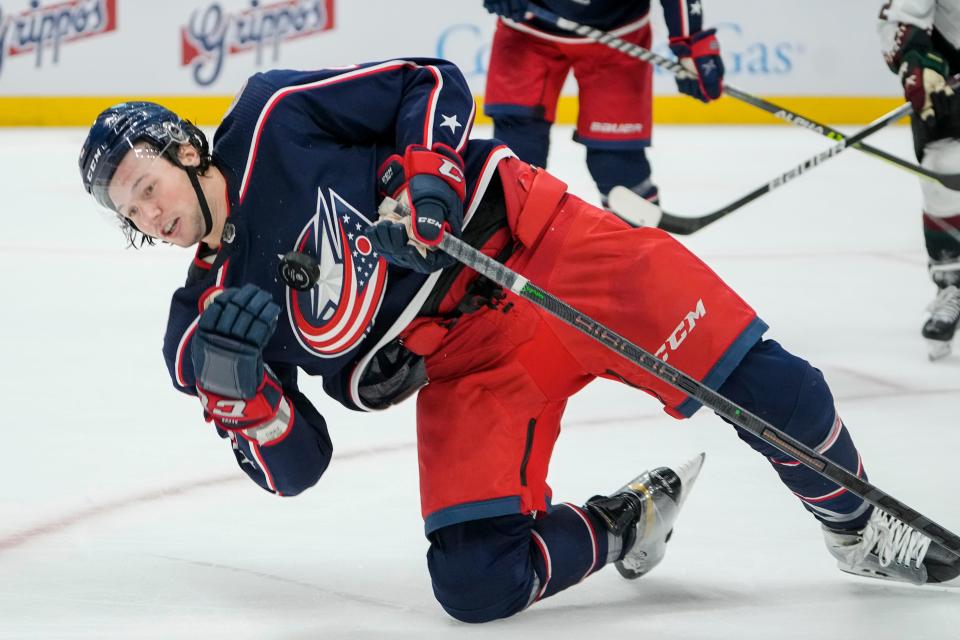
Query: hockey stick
[(950, 181), (522, 287), (636, 207)]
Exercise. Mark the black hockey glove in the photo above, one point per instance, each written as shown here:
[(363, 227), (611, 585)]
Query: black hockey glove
[(923, 74), (432, 184), (699, 54), (237, 390), (513, 9)]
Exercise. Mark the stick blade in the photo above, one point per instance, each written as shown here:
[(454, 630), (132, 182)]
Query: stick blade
[(951, 181), (640, 212), (632, 208)]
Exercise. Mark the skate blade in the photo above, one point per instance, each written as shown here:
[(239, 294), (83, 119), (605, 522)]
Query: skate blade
[(629, 574), (938, 349), (688, 473), (878, 574)]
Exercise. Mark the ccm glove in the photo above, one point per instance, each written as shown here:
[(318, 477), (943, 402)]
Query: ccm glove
[(433, 184), (699, 54), (237, 390), (513, 9)]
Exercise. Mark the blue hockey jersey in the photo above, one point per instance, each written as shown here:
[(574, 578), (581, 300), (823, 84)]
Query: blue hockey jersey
[(300, 151)]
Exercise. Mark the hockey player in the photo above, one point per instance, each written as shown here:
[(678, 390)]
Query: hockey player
[(530, 60), (921, 43), (298, 168)]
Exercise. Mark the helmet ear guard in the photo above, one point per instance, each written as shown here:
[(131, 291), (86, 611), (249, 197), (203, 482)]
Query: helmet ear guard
[(118, 129)]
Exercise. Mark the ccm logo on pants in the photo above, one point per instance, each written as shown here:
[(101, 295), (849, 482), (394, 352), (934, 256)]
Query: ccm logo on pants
[(680, 334)]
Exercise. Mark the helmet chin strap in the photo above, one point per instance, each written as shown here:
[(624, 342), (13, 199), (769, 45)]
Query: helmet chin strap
[(204, 207)]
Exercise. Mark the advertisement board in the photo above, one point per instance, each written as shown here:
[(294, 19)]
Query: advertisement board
[(62, 60)]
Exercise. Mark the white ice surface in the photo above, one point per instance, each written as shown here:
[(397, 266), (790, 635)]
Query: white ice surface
[(122, 514)]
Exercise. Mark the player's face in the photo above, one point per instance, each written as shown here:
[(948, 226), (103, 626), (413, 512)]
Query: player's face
[(157, 196)]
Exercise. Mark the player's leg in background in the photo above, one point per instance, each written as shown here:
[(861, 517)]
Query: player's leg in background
[(524, 80), (528, 136), (611, 167), (615, 119), (941, 230)]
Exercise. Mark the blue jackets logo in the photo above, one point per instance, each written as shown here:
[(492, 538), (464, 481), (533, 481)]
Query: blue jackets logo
[(42, 29), (331, 319), (213, 34)]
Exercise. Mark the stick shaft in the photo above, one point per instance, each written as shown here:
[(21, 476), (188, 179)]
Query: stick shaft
[(686, 225), (522, 287), (951, 181)]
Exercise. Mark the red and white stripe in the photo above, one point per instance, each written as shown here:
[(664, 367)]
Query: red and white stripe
[(280, 94), (684, 18), (411, 310), (593, 537), (255, 449), (839, 491), (182, 350), (354, 314), (191, 329), (432, 108), (823, 447), (547, 563), (833, 436)]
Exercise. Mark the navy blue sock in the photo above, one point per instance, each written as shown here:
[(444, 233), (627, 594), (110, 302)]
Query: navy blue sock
[(493, 568), (527, 136), (790, 394), (625, 167), (570, 545)]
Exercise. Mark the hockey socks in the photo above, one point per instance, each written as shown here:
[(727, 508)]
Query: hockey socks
[(793, 396), (832, 505), (495, 567), (624, 167), (568, 545)]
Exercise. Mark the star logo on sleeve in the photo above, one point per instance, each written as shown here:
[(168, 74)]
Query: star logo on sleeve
[(450, 121), (695, 9)]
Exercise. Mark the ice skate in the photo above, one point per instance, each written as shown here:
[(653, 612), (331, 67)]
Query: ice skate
[(942, 323), (890, 550), (642, 513)]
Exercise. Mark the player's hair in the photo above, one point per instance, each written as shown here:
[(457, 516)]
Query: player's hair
[(115, 132)]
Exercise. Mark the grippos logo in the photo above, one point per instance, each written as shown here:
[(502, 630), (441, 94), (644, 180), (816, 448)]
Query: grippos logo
[(213, 34), (44, 28)]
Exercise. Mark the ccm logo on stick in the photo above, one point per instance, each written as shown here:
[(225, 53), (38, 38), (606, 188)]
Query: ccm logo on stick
[(680, 334)]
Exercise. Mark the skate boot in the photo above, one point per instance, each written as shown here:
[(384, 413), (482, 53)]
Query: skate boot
[(642, 514), (889, 549), (942, 324)]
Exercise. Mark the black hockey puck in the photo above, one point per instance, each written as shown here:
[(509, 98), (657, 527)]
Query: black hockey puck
[(299, 270)]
